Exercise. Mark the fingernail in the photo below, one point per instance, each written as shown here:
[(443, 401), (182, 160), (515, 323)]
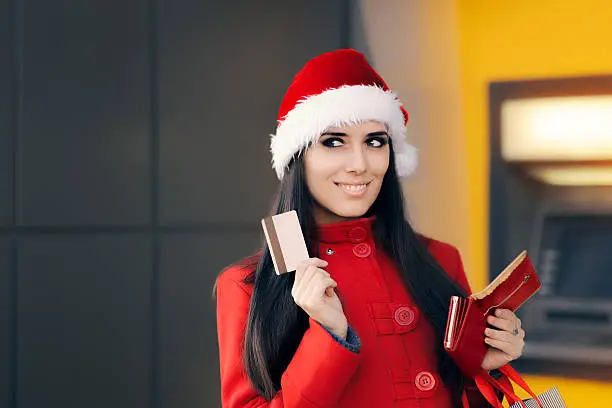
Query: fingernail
[(498, 312)]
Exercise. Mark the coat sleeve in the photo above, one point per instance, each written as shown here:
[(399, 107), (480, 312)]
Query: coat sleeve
[(475, 398), (315, 378)]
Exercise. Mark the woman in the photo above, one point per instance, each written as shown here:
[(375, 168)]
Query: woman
[(360, 324)]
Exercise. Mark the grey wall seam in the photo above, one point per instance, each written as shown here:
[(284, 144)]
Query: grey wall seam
[(154, 109), (205, 228), (154, 316), (154, 200), (17, 16), (345, 26), (14, 325), (17, 34)]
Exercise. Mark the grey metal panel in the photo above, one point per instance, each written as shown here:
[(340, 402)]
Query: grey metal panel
[(84, 321), (6, 115), (86, 123), (188, 359), (223, 72), (6, 333)]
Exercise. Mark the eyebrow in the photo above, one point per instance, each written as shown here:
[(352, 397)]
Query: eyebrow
[(371, 134)]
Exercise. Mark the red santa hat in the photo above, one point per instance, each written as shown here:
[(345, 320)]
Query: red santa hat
[(338, 88)]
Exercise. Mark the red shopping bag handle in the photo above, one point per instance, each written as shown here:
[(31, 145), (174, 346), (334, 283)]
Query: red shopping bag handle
[(488, 385), (512, 374), (464, 400), (489, 392)]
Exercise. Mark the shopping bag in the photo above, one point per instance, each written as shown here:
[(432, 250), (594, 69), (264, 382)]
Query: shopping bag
[(490, 386), (549, 399)]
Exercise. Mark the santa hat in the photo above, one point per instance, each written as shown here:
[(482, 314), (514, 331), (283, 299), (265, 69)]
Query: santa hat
[(338, 88)]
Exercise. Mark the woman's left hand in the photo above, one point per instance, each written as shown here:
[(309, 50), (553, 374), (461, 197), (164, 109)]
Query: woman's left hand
[(506, 342)]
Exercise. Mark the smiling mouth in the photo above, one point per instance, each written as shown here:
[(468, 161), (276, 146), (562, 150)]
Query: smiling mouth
[(353, 189)]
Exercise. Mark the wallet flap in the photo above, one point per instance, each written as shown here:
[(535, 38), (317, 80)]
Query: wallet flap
[(512, 288), (452, 322), (466, 344)]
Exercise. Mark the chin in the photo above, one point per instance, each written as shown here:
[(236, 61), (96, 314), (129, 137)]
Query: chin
[(353, 212)]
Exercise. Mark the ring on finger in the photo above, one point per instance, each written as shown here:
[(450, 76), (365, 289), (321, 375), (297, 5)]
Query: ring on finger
[(517, 327)]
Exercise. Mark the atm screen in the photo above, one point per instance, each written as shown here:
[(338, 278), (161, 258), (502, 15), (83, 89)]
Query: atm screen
[(576, 256)]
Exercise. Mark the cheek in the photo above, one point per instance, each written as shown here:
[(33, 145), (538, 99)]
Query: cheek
[(320, 164), (318, 170), (379, 163)]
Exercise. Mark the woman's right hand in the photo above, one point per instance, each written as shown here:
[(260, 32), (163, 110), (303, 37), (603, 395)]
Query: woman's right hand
[(313, 291)]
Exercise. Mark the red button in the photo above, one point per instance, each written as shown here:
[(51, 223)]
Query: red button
[(362, 250), (425, 381), (357, 235), (404, 315)]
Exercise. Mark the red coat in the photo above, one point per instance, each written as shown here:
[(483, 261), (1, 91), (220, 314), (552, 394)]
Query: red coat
[(396, 366)]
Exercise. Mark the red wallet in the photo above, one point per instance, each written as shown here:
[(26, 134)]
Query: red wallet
[(467, 317)]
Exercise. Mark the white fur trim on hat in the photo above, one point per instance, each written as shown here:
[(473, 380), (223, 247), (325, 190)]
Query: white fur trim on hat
[(344, 106)]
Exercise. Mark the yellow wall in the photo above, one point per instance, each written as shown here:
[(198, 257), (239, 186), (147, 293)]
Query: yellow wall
[(414, 45), (521, 39)]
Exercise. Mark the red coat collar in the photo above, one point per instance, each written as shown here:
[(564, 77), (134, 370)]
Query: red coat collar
[(356, 230)]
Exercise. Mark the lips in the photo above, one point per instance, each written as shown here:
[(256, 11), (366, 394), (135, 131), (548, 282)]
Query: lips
[(353, 189)]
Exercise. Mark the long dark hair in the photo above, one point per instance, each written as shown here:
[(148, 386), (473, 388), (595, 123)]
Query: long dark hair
[(276, 324)]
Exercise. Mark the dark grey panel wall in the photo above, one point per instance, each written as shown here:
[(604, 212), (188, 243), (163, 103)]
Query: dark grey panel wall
[(188, 343), (223, 71), (142, 168), (6, 309), (6, 114), (86, 122), (85, 321)]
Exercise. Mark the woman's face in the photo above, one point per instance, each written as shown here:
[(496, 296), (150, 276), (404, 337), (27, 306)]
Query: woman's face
[(345, 169)]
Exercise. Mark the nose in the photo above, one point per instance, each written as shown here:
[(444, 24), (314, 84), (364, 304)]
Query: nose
[(357, 161)]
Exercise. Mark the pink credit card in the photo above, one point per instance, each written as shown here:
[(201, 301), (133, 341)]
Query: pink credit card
[(285, 240)]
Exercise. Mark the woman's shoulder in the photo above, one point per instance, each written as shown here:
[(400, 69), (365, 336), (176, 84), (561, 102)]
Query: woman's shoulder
[(445, 253), (238, 272), (449, 258), (439, 247)]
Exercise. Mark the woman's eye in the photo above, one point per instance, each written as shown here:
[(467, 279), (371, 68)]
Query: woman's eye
[(377, 141), (332, 142)]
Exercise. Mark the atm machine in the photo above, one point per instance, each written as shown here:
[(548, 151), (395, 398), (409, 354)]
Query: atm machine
[(551, 193)]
